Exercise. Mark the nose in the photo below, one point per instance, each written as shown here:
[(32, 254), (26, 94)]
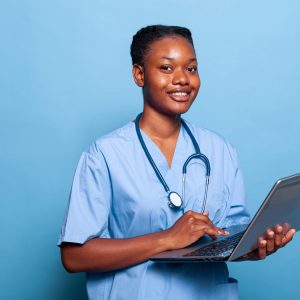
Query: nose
[(180, 77)]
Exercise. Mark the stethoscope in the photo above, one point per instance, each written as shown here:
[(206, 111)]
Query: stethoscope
[(174, 199)]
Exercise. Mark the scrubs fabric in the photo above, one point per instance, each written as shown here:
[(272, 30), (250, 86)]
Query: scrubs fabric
[(116, 194)]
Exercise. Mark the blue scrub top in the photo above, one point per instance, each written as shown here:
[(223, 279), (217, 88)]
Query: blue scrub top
[(116, 194)]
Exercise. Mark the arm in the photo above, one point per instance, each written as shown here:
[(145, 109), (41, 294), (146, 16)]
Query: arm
[(102, 255)]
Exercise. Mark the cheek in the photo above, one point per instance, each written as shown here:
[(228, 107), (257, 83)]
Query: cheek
[(196, 82), (160, 82), (163, 79), (156, 81)]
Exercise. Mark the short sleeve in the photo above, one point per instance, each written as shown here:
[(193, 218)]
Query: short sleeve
[(238, 212), (89, 204)]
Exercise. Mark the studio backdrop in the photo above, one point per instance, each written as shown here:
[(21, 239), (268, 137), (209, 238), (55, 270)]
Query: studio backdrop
[(65, 79)]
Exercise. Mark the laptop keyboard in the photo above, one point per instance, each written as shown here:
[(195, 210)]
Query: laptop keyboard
[(221, 248)]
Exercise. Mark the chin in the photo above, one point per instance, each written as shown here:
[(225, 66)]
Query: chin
[(172, 108), (181, 109), (176, 111)]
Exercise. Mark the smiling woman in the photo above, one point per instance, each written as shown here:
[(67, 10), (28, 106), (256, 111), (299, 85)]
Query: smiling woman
[(169, 76), (118, 215)]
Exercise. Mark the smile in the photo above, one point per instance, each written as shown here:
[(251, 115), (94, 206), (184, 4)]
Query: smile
[(180, 95)]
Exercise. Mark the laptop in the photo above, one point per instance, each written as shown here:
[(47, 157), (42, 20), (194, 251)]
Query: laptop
[(282, 205)]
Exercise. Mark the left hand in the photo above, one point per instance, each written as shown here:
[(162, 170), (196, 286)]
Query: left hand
[(271, 241)]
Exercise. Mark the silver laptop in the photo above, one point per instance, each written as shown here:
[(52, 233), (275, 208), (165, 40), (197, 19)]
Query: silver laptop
[(282, 205)]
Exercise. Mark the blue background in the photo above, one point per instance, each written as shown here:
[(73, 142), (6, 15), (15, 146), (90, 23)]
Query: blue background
[(65, 79)]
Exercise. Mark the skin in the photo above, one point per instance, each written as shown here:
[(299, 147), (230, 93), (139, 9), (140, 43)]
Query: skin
[(169, 68)]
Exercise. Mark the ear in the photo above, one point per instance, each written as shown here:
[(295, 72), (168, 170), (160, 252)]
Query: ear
[(138, 74)]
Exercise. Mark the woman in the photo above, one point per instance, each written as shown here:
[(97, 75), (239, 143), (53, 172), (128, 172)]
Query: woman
[(119, 213)]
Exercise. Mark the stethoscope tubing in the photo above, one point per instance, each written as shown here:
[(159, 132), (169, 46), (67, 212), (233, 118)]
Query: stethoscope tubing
[(148, 155), (197, 155)]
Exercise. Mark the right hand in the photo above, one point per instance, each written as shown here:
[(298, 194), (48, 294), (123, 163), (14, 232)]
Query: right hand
[(189, 228)]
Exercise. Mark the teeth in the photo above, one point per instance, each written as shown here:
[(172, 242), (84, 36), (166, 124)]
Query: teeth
[(179, 93)]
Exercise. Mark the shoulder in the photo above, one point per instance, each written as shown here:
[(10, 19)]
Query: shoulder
[(212, 141), (209, 136), (117, 139)]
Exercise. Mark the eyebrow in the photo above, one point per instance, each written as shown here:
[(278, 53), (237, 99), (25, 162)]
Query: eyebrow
[(171, 58)]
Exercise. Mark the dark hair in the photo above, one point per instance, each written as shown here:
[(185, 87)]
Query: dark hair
[(145, 36)]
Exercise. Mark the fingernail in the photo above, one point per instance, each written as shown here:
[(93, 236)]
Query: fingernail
[(222, 232)]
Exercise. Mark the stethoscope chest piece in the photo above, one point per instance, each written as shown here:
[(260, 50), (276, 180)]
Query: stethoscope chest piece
[(174, 200)]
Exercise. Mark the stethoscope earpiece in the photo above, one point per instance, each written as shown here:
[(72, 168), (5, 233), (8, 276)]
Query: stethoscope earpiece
[(174, 199)]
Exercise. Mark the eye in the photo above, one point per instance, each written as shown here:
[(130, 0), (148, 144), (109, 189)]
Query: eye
[(166, 68), (192, 69)]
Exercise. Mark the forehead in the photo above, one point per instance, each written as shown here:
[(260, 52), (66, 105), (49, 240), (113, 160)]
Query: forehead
[(173, 47)]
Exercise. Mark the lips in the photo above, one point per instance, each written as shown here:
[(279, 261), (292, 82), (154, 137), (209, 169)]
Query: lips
[(180, 95)]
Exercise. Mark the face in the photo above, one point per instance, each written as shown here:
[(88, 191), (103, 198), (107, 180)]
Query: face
[(169, 76)]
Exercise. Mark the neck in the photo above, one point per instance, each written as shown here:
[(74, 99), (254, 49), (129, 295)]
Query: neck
[(159, 126)]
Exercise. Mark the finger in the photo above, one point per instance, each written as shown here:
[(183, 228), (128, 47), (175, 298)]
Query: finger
[(278, 228), (278, 236), (202, 229), (215, 232), (203, 217), (285, 228), (218, 231), (193, 216), (270, 240), (212, 231), (288, 237), (262, 248)]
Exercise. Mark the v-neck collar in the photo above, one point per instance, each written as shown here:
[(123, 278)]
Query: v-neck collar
[(160, 159)]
